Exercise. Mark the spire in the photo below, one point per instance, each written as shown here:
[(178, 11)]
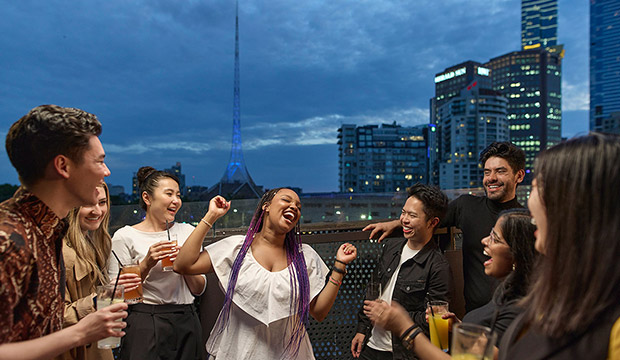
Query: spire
[(236, 179)]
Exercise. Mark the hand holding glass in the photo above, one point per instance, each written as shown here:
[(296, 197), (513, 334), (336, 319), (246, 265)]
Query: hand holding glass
[(438, 327), (166, 263), (472, 342), (133, 296), (107, 295)]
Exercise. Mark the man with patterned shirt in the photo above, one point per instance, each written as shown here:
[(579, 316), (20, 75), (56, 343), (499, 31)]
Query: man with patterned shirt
[(60, 161)]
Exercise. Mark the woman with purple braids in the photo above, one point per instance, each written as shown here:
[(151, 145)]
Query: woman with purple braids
[(272, 280)]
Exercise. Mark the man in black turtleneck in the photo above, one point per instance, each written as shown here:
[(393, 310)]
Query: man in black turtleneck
[(503, 165)]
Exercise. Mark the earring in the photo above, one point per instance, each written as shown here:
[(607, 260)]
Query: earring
[(513, 267)]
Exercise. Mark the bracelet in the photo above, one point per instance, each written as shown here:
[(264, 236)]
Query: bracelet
[(206, 222), (342, 262), (409, 341), (334, 281), (402, 336), (343, 272)]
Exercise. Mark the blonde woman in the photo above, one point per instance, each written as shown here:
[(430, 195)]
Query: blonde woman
[(86, 250)]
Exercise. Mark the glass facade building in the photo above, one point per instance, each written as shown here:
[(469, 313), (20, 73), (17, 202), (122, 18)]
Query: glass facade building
[(385, 158), (539, 23), (531, 80), (604, 65), (467, 124)]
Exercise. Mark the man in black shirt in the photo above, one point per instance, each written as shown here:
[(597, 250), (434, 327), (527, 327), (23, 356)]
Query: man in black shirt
[(503, 164)]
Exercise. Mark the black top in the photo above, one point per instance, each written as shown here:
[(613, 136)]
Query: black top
[(497, 314), (424, 277), (475, 216), (522, 341)]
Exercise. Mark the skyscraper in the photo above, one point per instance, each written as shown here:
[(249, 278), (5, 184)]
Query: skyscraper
[(468, 123), (539, 23), (448, 84), (386, 158), (531, 81), (236, 181), (604, 65)]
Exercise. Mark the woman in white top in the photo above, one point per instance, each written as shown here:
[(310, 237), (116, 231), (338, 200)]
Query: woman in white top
[(165, 325), (272, 281)]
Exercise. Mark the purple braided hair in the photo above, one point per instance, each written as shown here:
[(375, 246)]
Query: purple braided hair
[(299, 283)]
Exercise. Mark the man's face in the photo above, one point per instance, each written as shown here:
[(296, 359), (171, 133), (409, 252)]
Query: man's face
[(500, 181), (88, 174), (415, 225)]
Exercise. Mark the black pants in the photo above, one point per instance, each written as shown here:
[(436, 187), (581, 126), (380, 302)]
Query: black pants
[(162, 332), (371, 354)]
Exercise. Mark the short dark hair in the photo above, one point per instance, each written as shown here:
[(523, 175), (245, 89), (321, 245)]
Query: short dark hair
[(434, 201), (46, 132), (507, 151), (148, 180)]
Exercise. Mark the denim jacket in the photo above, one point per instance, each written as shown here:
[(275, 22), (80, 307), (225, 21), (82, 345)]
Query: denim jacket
[(422, 278)]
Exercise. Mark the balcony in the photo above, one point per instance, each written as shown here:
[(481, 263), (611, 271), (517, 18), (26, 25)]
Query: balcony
[(331, 339)]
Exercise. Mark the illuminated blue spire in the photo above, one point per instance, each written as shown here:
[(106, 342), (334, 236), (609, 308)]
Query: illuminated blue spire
[(236, 172)]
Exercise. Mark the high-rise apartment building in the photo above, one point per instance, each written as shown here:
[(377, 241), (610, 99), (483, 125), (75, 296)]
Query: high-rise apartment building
[(539, 23), (467, 124), (449, 84), (604, 65), (386, 158), (531, 80)]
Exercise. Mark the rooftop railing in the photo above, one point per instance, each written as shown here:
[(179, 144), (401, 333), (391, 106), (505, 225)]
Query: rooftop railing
[(331, 339)]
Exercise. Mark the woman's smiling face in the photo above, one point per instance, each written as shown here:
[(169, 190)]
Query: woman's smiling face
[(92, 216), (495, 246)]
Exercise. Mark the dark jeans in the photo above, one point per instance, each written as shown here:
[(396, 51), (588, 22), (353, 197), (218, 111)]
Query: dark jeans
[(371, 354)]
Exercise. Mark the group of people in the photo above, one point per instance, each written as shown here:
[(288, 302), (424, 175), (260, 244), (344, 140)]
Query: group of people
[(547, 281)]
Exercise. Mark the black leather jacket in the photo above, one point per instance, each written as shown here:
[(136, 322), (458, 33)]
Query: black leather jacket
[(422, 278)]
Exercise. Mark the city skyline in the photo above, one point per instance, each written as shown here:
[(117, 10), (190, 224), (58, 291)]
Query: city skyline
[(159, 75)]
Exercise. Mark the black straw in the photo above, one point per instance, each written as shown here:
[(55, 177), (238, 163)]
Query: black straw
[(168, 230), (117, 259), (436, 330), (115, 284)]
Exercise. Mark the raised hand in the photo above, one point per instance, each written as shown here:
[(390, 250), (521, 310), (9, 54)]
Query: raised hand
[(218, 207), (346, 253), (383, 228)]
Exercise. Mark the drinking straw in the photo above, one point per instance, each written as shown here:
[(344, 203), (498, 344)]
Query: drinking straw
[(168, 230), (115, 284), (435, 325), (117, 259), (117, 276)]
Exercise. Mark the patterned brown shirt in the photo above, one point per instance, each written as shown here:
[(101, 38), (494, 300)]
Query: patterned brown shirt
[(32, 273)]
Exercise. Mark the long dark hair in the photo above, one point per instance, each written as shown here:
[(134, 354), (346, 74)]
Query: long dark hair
[(518, 231), (579, 275), (300, 285)]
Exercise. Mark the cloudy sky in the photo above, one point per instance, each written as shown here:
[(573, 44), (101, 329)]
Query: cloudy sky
[(159, 74)]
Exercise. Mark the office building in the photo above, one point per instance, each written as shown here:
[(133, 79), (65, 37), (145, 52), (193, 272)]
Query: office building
[(604, 65), (531, 81), (449, 84), (539, 23), (386, 158), (467, 124)]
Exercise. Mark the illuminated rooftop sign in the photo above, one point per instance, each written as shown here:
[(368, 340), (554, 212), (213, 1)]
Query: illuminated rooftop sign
[(483, 71), (450, 75)]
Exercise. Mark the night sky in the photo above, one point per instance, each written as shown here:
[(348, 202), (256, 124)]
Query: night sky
[(159, 74)]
